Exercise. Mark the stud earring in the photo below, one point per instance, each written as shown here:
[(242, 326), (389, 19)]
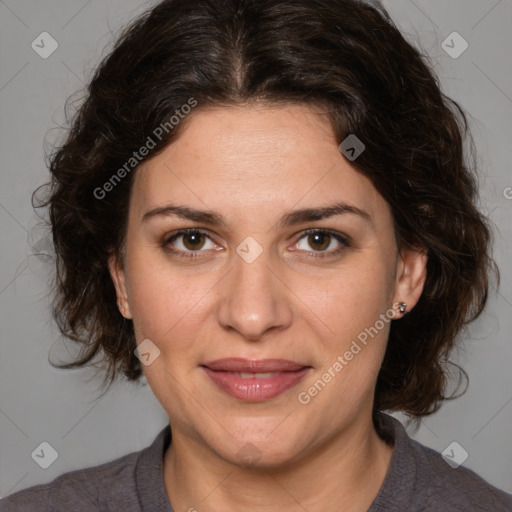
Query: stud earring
[(402, 307)]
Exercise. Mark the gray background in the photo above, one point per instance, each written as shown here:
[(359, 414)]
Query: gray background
[(39, 403)]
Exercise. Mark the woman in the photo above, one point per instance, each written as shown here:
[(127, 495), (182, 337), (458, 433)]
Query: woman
[(264, 207)]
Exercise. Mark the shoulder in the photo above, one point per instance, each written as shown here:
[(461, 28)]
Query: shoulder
[(87, 490), (420, 480), (458, 488)]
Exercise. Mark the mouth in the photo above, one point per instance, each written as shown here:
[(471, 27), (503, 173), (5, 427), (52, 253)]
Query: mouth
[(255, 380)]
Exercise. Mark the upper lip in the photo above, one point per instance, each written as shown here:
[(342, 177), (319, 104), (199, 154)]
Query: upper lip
[(238, 364)]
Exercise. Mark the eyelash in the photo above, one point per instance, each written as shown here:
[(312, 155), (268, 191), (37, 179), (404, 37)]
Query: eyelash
[(344, 241)]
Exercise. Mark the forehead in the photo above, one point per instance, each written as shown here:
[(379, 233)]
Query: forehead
[(253, 156)]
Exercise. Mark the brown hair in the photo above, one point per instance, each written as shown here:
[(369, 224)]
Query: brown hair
[(344, 55)]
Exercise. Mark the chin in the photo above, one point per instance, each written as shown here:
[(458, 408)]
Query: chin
[(261, 449), (250, 456)]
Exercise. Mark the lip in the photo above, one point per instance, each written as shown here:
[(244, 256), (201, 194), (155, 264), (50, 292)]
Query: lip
[(226, 375), (239, 364)]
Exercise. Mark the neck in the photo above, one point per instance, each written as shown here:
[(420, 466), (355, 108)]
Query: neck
[(348, 469)]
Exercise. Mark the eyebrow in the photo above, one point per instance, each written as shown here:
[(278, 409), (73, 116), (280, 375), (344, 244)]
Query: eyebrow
[(288, 219)]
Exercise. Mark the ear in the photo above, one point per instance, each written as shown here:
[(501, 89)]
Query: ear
[(411, 276), (119, 279)]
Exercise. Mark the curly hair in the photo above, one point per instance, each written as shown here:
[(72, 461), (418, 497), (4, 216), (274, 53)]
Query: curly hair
[(346, 56)]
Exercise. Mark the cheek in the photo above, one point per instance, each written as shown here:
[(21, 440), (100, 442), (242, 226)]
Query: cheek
[(353, 313), (168, 304), (353, 298)]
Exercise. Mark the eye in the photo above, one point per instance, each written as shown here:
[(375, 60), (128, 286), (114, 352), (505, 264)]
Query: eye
[(189, 243), (192, 240), (323, 241)]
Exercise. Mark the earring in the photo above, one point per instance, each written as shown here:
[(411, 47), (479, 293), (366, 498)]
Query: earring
[(402, 307)]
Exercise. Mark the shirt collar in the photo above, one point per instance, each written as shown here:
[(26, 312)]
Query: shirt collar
[(153, 495), (149, 475)]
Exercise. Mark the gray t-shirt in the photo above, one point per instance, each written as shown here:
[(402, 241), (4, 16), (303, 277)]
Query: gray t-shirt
[(418, 479)]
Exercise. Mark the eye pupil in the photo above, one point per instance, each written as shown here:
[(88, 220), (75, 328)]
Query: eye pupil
[(319, 239), (193, 240)]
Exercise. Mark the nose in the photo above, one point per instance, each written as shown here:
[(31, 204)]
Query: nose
[(254, 300)]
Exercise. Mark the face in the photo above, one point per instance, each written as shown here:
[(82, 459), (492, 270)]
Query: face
[(268, 317)]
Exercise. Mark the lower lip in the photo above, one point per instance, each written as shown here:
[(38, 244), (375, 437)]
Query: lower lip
[(255, 389)]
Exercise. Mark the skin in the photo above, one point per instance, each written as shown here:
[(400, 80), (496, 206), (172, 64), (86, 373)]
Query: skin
[(251, 165)]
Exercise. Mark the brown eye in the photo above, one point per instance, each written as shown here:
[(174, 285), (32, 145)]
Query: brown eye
[(189, 242), (193, 240), (322, 242), (319, 241)]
